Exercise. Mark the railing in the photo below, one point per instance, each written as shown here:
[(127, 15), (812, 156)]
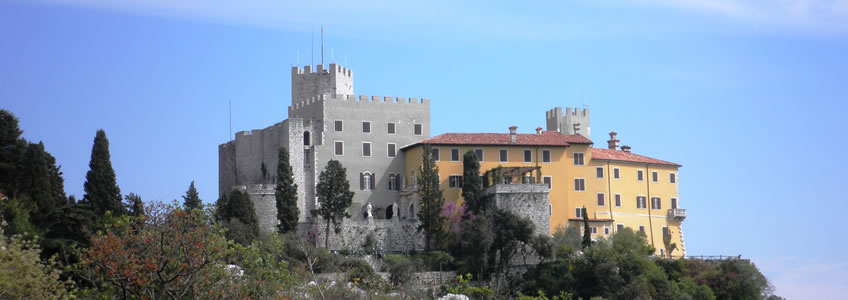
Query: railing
[(678, 213)]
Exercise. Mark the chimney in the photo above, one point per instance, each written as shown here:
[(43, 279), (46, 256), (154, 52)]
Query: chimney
[(613, 142), (576, 128), (538, 130), (625, 148), (512, 137)]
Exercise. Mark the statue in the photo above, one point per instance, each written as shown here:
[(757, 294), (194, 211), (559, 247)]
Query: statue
[(396, 211), (368, 214)]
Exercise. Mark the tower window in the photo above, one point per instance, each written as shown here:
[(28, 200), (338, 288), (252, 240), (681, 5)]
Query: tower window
[(366, 127), (417, 129), (391, 149), (306, 138), (338, 126), (366, 149), (366, 181), (339, 148), (390, 128)]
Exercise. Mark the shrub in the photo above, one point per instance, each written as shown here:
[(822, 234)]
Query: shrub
[(400, 268)]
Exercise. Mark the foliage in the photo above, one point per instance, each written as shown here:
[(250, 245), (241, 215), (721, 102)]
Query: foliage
[(587, 231), (463, 286), (472, 182), (17, 218), (400, 268), (362, 274), (431, 201), (286, 194), (511, 232), (135, 204), (568, 236), (191, 200), (24, 276), (235, 211), (101, 188), (472, 246), (334, 197)]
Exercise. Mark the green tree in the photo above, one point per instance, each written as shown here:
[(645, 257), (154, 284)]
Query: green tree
[(472, 182), (334, 197), (286, 194), (587, 231), (101, 187), (236, 212), (24, 276), (191, 200), (17, 218), (431, 201), (135, 204), (475, 240), (511, 233), (12, 149)]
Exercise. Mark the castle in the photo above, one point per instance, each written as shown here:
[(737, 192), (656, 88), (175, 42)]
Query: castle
[(547, 176)]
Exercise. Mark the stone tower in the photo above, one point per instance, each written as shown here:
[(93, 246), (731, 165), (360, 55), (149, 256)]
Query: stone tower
[(572, 121), (337, 80)]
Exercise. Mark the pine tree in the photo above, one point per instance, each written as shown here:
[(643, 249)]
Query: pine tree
[(334, 197), (431, 200), (12, 150), (191, 200), (286, 194), (472, 183), (135, 204), (101, 188)]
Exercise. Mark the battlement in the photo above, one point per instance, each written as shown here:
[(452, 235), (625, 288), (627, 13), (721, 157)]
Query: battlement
[(576, 112), (359, 99), (319, 69)]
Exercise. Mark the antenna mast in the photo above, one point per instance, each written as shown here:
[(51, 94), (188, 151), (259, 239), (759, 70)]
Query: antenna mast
[(231, 119), (322, 45)]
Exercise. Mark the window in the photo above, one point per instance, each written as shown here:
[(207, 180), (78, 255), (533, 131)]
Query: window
[(599, 172), (617, 200), (435, 154), (507, 179), (391, 149), (616, 173), (547, 181), (366, 181), (528, 156), (656, 203), (306, 138), (546, 156), (366, 149), (455, 181), (393, 186), (673, 203), (338, 126), (578, 213), (454, 154), (601, 199), (479, 153), (503, 156), (366, 127), (594, 230), (619, 227), (606, 230), (672, 177), (642, 228), (339, 148), (579, 184), (390, 128), (655, 177), (641, 202), (639, 175), (417, 129), (578, 159)]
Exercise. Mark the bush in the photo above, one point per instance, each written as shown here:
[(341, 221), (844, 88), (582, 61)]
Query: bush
[(400, 268), (23, 276), (362, 274), (438, 261)]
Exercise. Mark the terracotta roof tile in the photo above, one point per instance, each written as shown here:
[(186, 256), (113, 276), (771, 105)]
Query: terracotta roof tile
[(547, 138), (618, 155)]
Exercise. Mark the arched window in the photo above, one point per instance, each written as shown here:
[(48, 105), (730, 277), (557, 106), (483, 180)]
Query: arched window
[(366, 181), (306, 138), (393, 185)]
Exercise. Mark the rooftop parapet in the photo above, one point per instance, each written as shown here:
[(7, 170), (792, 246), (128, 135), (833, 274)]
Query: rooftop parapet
[(334, 69), (576, 111), (359, 99)]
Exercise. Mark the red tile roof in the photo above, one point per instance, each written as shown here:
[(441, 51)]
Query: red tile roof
[(547, 138), (618, 155)]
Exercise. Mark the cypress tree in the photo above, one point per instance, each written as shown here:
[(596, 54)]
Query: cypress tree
[(236, 211), (334, 195), (587, 232), (101, 188), (191, 200), (431, 200), (471, 182), (286, 194), (135, 204)]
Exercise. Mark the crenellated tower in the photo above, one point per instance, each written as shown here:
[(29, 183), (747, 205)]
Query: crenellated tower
[(571, 121), (306, 84)]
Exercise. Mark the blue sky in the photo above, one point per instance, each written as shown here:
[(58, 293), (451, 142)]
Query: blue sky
[(748, 95)]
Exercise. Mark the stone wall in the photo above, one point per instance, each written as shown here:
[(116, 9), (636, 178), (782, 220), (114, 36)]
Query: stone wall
[(265, 205), (526, 200), (393, 235)]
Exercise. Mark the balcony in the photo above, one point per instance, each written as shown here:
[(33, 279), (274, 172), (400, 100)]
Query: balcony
[(677, 213)]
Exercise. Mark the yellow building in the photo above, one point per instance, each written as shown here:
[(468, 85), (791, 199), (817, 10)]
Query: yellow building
[(617, 188)]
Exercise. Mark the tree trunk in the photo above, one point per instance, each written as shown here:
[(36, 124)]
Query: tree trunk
[(327, 236)]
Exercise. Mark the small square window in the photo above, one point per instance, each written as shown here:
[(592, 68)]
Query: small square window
[(606, 230), (338, 126), (594, 230), (479, 153), (366, 149), (601, 199), (599, 172), (390, 128), (546, 156), (503, 155), (619, 227), (616, 173), (435, 154), (672, 178), (578, 213), (642, 228), (579, 184), (639, 175), (455, 181), (528, 156), (655, 177), (617, 200), (578, 159), (417, 129), (547, 181), (454, 154), (339, 146), (366, 127), (391, 150)]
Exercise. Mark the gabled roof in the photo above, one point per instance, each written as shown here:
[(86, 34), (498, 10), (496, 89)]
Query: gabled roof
[(618, 155), (546, 138)]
